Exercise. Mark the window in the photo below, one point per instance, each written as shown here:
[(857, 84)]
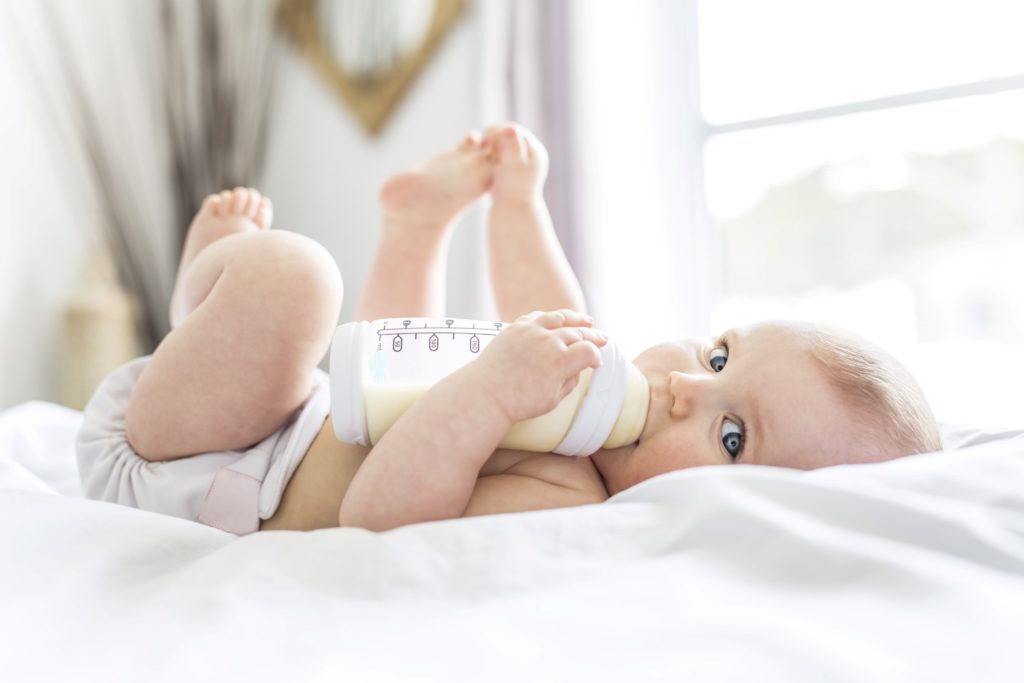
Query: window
[(864, 163)]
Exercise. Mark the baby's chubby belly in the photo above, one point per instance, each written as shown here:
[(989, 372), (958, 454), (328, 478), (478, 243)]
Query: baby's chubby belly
[(313, 495)]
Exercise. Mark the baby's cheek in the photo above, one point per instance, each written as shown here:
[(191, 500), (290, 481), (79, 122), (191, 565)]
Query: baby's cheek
[(676, 449)]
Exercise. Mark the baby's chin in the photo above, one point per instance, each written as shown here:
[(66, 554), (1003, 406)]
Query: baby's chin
[(610, 464)]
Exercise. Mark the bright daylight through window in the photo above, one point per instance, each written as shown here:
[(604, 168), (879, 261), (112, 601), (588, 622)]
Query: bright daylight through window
[(865, 164)]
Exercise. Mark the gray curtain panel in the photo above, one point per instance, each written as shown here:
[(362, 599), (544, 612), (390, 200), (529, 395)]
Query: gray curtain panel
[(174, 106)]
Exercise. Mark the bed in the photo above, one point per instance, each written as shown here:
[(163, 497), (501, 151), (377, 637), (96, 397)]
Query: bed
[(911, 570)]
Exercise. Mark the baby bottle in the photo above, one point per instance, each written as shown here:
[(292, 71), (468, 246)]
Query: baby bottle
[(380, 368)]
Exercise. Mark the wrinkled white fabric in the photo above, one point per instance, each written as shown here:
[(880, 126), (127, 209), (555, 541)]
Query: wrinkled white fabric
[(911, 570)]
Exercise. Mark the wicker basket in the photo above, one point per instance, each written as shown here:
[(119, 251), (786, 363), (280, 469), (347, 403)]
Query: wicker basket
[(98, 333)]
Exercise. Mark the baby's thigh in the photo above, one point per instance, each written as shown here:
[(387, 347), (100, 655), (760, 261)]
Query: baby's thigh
[(242, 362)]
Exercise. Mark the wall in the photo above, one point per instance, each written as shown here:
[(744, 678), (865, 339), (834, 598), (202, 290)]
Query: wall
[(324, 172), (323, 175)]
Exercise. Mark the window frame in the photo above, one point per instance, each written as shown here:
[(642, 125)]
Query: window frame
[(703, 131)]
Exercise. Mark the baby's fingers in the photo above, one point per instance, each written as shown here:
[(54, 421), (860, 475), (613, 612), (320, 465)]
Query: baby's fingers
[(573, 335), (560, 318), (569, 384), (580, 356)]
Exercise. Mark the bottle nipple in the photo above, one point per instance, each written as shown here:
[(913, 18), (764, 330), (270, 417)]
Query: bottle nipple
[(633, 416), (613, 410)]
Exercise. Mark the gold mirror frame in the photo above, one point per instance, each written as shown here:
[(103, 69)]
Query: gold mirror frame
[(373, 101)]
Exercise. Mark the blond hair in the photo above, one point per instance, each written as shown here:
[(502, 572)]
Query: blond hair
[(879, 388)]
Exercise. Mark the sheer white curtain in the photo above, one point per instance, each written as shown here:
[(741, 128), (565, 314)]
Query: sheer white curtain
[(527, 73), (147, 107), (120, 116), (85, 73), (52, 200), (612, 91)]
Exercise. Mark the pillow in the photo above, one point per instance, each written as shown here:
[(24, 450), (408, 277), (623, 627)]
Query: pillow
[(957, 436)]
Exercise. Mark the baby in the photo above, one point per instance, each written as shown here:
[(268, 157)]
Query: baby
[(227, 422)]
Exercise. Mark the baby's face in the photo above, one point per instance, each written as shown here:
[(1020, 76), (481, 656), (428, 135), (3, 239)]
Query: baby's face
[(755, 395)]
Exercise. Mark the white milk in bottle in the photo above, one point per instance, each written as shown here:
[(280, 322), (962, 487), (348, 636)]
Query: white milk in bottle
[(380, 368)]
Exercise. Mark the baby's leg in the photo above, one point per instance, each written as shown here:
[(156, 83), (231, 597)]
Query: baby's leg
[(529, 271), (419, 208), (252, 313)]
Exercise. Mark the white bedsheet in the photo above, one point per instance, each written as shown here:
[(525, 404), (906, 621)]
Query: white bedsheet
[(905, 571)]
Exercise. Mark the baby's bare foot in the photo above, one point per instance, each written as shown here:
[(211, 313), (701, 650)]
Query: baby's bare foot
[(434, 193), (232, 211), (521, 162), (229, 213)]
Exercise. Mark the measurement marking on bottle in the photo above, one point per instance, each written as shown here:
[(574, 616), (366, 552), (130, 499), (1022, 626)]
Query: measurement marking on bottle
[(433, 340)]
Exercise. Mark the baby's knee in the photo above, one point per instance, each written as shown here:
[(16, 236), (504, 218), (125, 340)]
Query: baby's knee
[(298, 267), (316, 269)]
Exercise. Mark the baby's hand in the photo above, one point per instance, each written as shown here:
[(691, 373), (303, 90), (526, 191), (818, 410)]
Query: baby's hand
[(536, 361), (521, 162)]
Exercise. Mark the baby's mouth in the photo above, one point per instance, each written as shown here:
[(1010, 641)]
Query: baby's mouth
[(659, 408)]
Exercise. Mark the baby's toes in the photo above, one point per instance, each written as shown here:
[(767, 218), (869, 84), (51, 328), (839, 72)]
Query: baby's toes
[(252, 203), (264, 214), (488, 150), (512, 146), (472, 140), (227, 200), (535, 149), (239, 198), (211, 206)]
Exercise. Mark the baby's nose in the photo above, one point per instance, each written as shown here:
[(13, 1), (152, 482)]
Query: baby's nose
[(686, 391)]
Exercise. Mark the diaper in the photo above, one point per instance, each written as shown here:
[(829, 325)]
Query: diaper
[(229, 490)]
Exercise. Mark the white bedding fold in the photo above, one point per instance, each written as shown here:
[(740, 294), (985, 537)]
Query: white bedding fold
[(905, 571), (752, 575)]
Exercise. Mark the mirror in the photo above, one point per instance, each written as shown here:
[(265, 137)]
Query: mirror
[(369, 51)]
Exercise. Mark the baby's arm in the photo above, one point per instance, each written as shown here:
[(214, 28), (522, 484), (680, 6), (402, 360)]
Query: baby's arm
[(426, 466)]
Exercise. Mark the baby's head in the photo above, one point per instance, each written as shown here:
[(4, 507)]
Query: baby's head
[(783, 393)]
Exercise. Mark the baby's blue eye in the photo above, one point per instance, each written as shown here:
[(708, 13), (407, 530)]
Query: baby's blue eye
[(719, 355), (732, 438)]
